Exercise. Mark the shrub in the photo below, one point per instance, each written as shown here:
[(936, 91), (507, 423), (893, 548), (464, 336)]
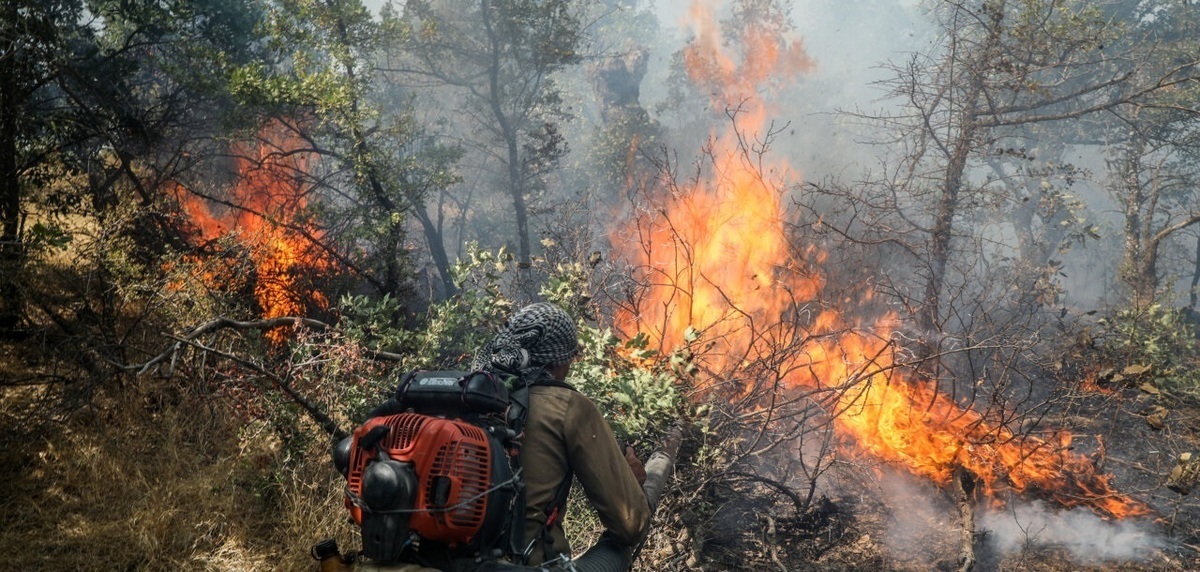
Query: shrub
[(1158, 338)]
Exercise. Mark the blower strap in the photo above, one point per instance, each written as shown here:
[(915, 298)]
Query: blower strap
[(517, 416)]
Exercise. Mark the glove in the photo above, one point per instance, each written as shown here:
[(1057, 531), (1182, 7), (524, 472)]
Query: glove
[(635, 465)]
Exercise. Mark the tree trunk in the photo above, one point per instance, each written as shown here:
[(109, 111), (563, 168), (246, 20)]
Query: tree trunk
[(964, 491), (943, 226), (437, 249), (1138, 270), (510, 133), (11, 241), (516, 187), (942, 233), (1192, 294)]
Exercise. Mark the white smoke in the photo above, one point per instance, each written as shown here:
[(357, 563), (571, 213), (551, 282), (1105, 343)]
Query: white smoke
[(1085, 535), (921, 520), (923, 529)]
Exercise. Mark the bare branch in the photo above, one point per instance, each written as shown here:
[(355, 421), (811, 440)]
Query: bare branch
[(326, 423)]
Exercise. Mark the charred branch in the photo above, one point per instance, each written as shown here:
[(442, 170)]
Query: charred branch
[(964, 492), (797, 502)]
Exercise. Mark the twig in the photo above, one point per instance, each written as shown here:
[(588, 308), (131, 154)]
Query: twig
[(212, 326), (326, 423), (222, 323), (772, 547)]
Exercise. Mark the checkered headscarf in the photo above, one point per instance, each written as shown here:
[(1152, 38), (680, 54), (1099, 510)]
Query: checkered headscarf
[(535, 336)]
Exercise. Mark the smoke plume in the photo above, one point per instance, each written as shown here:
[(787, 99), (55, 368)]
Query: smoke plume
[(1089, 538)]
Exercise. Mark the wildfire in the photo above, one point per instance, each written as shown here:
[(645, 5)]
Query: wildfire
[(717, 260), (264, 215)]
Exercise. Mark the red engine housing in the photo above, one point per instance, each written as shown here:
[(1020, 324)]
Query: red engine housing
[(453, 461)]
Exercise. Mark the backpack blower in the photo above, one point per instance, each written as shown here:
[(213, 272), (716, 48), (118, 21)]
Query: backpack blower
[(431, 469)]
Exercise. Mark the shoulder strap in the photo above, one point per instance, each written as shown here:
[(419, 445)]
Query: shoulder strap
[(518, 411), (518, 414)]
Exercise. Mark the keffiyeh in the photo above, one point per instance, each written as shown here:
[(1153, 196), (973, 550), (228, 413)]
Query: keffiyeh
[(537, 335)]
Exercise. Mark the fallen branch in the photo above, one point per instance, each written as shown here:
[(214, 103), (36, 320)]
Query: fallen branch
[(326, 423), (223, 323), (964, 491), (212, 326), (771, 545), (799, 504)]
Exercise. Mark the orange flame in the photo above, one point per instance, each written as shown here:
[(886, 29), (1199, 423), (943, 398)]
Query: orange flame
[(266, 204), (715, 258)]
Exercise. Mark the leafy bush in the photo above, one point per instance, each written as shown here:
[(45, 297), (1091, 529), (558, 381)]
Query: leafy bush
[(1157, 337), (448, 332), (635, 385)]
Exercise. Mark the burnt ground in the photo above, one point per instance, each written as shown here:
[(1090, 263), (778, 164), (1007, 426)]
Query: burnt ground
[(874, 518)]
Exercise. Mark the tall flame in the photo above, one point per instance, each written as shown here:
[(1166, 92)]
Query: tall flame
[(265, 210), (716, 259)]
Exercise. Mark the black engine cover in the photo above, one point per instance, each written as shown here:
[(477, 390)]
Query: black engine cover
[(389, 490)]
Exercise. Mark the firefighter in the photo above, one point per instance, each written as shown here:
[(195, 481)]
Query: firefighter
[(565, 434)]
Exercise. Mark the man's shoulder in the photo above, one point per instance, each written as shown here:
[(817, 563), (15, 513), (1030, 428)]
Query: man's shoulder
[(559, 391), (562, 395)]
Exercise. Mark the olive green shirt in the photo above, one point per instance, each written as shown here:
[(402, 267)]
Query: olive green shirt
[(566, 434)]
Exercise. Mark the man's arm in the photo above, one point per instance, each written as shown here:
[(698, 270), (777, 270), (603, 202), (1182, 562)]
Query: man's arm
[(602, 469)]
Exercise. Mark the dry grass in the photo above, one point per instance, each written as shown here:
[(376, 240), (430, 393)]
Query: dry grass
[(154, 478)]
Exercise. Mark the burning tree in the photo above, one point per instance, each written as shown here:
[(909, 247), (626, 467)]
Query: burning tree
[(383, 175), (786, 355), (265, 215)]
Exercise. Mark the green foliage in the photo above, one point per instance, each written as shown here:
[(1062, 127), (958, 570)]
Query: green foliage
[(318, 60), (619, 144), (48, 235), (1156, 336), (371, 320), (455, 327), (633, 384), (450, 330), (254, 84)]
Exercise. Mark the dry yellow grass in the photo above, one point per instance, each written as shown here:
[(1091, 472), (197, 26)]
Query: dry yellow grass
[(154, 478)]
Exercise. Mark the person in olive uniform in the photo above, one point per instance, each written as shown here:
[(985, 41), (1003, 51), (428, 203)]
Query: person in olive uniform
[(565, 435)]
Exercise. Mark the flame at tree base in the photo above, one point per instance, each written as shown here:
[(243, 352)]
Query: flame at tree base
[(890, 415), (914, 425)]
